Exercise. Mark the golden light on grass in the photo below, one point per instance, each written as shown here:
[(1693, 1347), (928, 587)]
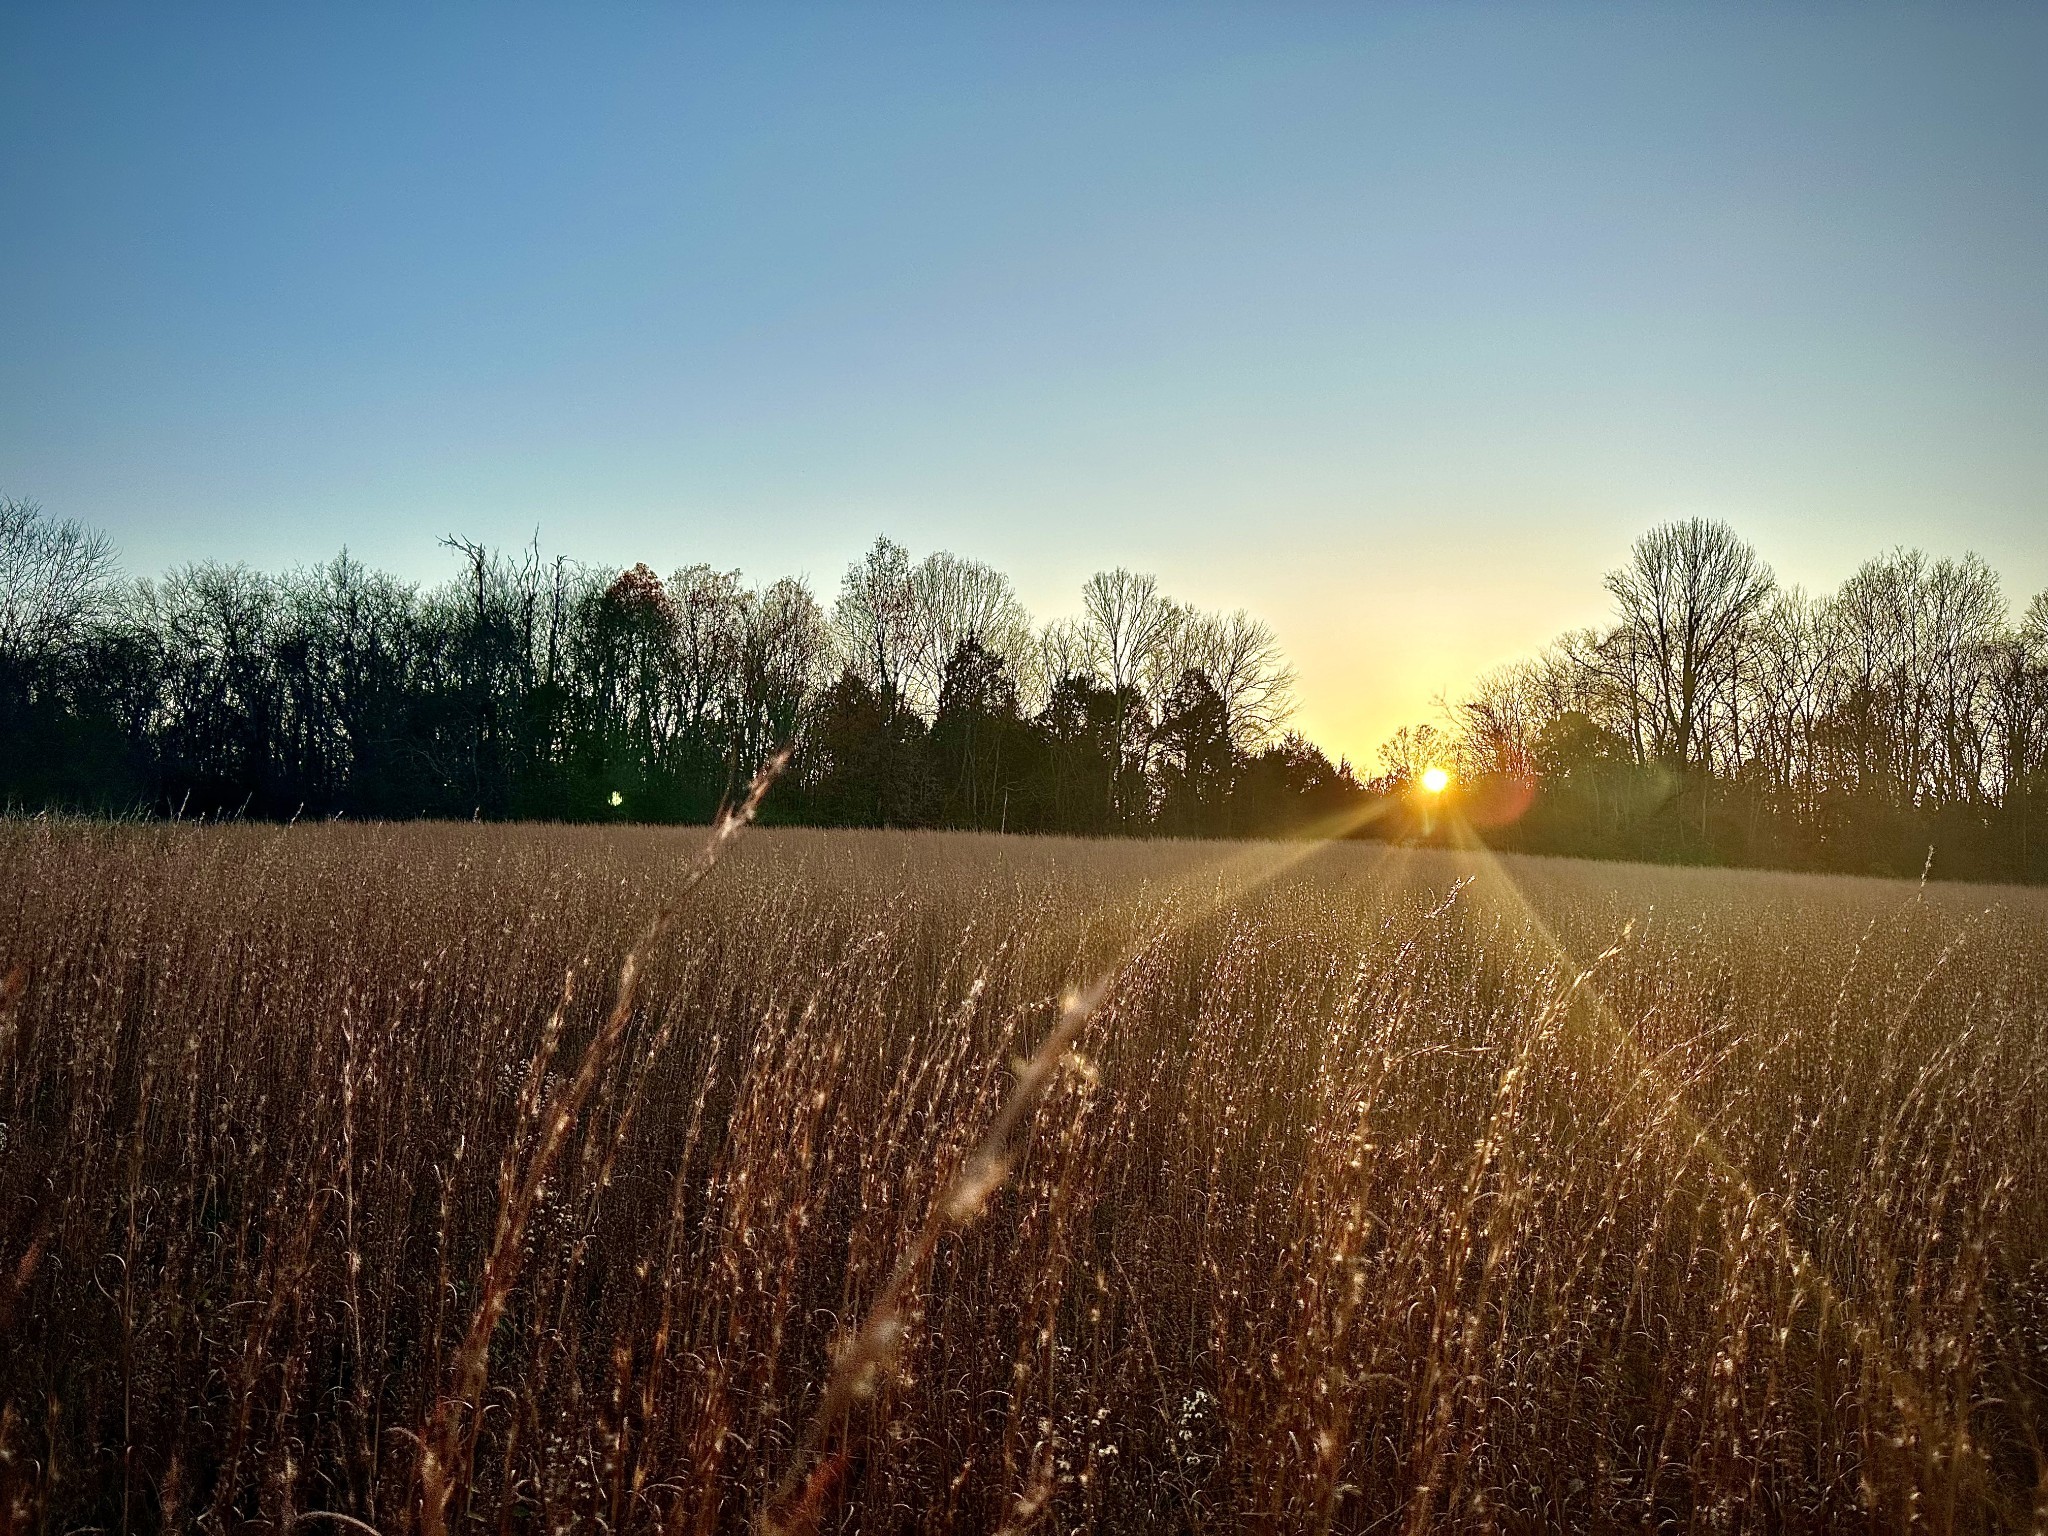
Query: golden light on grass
[(1388, 1171), (1435, 780)]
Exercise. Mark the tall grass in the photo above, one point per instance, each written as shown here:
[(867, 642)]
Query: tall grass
[(926, 1182)]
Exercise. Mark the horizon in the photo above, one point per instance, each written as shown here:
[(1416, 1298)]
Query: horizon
[(1394, 330), (1366, 760)]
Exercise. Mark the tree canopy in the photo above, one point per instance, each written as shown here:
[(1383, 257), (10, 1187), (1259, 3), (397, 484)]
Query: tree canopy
[(1720, 716)]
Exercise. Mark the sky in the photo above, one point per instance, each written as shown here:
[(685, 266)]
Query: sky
[(1391, 324)]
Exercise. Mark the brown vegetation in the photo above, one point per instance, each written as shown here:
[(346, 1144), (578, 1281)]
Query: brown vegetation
[(1373, 1189)]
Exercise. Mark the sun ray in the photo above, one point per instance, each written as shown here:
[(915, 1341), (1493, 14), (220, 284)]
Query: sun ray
[(1732, 1182)]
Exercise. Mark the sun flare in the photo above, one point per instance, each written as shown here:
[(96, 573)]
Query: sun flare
[(1436, 780)]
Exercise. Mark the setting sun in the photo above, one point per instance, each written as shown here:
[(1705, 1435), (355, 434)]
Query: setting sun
[(1435, 780)]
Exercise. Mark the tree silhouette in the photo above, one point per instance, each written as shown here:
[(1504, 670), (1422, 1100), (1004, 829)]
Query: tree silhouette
[(1718, 717)]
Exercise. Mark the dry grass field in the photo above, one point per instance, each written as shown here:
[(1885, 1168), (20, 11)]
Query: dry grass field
[(1362, 1189)]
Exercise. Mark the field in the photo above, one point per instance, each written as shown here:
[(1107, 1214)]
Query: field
[(933, 1182)]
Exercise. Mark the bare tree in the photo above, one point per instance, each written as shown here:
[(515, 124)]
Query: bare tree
[(874, 620), (1499, 722), (1064, 651), (1126, 621), (1241, 659), (2018, 705), (1251, 675), (1965, 615), (1789, 687), (707, 609), (1916, 641), (216, 628), (1686, 596), (1410, 751), (785, 653), (55, 578), (2033, 633), (955, 600)]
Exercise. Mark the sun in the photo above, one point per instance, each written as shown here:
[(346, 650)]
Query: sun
[(1436, 780)]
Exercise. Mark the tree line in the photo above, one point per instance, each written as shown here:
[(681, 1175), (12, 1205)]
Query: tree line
[(1724, 717), (1719, 717), (922, 696)]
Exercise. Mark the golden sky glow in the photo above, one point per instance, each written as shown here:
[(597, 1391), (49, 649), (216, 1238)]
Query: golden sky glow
[(1389, 327)]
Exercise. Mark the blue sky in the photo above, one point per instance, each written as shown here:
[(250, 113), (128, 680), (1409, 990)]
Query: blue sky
[(1393, 324)]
